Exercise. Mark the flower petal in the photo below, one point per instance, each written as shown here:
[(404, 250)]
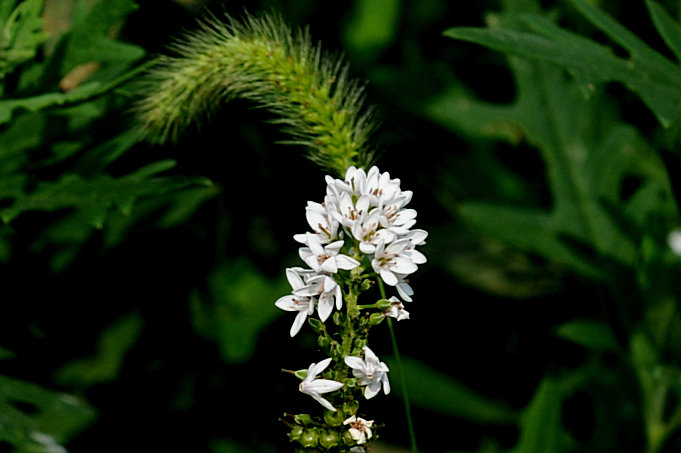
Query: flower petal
[(346, 263), (317, 368), (286, 303), (324, 386), (298, 323), (354, 362)]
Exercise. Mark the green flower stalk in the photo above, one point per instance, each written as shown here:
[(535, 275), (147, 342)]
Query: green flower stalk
[(263, 60)]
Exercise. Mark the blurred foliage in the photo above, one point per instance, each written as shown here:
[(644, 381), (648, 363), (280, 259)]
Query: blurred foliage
[(540, 140)]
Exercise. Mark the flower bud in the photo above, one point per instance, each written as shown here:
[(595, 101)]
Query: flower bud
[(360, 343), (329, 439), (295, 433), (334, 418), (323, 341), (376, 318), (302, 419), (309, 438), (350, 407), (316, 324), (338, 318), (366, 284), (382, 304), (348, 440)]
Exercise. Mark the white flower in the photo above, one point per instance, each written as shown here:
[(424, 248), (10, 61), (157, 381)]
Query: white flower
[(390, 261), (367, 232), (371, 372), (328, 292), (348, 212), (323, 225), (326, 259), (380, 187), (360, 429), (315, 387), (304, 305), (396, 310)]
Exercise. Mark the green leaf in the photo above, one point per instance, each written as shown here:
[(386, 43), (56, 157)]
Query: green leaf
[(587, 151), (21, 33), (541, 428), (114, 343), (667, 27), (52, 419), (21, 136), (590, 334), (89, 39), (646, 72), (93, 197), (240, 304), (432, 390), (83, 93), (531, 230)]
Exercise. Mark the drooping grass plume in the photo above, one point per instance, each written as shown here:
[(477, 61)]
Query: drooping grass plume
[(264, 60)]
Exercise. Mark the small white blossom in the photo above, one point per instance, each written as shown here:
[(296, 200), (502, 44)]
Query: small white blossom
[(328, 294), (323, 225), (396, 310), (371, 372), (348, 212), (389, 261), (316, 387), (304, 305), (360, 429), (367, 232), (326, 259)]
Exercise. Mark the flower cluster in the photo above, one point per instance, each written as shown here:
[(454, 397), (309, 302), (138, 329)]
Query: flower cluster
[(361, 237)]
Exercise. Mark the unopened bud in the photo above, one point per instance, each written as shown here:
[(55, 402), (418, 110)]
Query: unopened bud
[(323, 341), (383, 304), (376, 318), (348, 439), (316, 324), (366, 284), (302, 419), (309, 438), (350, 407), (329, 439), (295, 433), (334, 418), (360, 343)]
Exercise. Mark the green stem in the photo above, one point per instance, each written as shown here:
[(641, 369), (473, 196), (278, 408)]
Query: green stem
[(400, 371)]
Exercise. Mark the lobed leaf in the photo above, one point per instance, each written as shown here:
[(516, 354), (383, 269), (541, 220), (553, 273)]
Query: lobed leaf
[(646, 72)]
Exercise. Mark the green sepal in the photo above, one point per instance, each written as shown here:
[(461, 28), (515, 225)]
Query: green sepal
[(316, 324), (302, 419), (301, 374), (384, 304), (376, 318)]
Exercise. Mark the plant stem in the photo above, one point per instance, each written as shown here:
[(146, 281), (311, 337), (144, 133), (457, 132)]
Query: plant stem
[(403, 381)]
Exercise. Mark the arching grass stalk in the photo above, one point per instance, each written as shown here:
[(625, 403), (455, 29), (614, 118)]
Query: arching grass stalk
[(263, 60)]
